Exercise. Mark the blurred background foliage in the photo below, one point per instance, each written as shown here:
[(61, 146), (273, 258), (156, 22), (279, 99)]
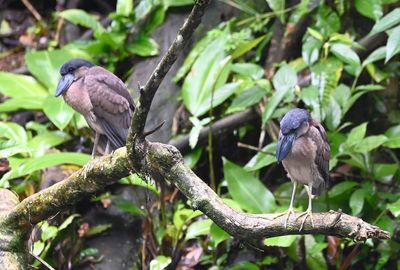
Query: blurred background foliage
[(339, 59)]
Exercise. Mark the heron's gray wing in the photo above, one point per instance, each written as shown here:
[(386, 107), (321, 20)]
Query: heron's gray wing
[(112, 104), (318, 135)]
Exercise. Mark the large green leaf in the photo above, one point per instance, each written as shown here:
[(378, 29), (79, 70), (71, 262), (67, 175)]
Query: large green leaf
[(356, 201), (393, 43), (42, 142), (20, 86), (160, 263), (394, 208), (124, 7), (45, 65), (197, 228), (376, 55), (219, 96), (357, 134), (250, 70), (281, 241), (58, 111), (277, 6), (143, 46), (388, 21), (285, 78), (81, 17), (369, 8), (247, 98), (48, 160), (346, 54), (247, 190), (273, 103), (25, 103), (370, 143), (14, 132), (204, 75)]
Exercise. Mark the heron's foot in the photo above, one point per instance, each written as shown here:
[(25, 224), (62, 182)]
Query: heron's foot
[(306, 214), (289, 212)]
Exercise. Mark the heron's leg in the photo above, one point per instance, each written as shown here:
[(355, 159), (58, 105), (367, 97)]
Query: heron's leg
[(308, 212), (107, 150), (291, 209), (96, 141)]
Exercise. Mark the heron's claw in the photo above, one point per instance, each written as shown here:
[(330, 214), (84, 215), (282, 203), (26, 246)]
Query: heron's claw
[(287, 213), (307, 213)]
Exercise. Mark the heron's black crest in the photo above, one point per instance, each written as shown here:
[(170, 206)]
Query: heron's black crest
[(293, 120), (74, 64)]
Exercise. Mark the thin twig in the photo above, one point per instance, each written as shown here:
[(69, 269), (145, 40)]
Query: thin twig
[(32, 9), (248, 146), (151, 87), (48, 266)]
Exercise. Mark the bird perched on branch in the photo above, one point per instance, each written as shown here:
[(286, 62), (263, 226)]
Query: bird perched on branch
[(101, 97), (304, 151)]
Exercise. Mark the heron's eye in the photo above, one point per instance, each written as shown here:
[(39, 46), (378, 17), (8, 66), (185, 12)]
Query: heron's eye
[(70, 69)]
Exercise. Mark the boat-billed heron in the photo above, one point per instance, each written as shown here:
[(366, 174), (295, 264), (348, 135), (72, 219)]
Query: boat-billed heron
[(101, 97), (304, 151)]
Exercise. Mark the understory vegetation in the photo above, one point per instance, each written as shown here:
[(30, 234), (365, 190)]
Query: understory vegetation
[(338, 59)]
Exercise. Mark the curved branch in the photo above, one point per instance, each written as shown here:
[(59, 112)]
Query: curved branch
[(168, 162), (94, 176)]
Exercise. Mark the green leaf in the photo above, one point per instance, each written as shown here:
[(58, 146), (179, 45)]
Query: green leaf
[(250, 70), (49, 160), (67, 222), (127, 206), (388, 21), (38, 247), (58, 111), (376, 55), (197, 228), (247, 98), (369, 8), (207, 73), (42, 142), (160, 263), (341, 188), (244, 265), (218, 235), (392, 143), (315, 260), (22, 103), (81, 17), (357, 201), (219, 96), (310, 50), (394, 208), (273, 103), (178, 3), (285, 78), (98, 229), (14, 132), (247, 190), (370, 143), (280, 241), (357, 134), (20, 86), (333, 114), (345, 53), (259, 161), (314, 33), (183, 215), (48, 232), (199, 47), (393, 44), (246, 47), (45, 65), (143, 46), (124, 7)]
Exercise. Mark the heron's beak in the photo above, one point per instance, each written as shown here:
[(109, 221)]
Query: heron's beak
[(285, 143), (64, 83)]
